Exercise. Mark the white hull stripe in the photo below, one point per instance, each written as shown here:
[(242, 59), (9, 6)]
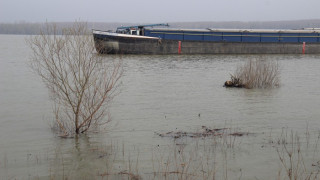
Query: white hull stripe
[(122, 35)]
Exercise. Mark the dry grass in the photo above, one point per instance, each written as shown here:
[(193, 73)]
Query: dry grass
[(185, 158), (292, 156), (257, 73)]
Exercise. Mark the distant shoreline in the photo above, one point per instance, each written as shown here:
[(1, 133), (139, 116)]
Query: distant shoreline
[(26, 28)]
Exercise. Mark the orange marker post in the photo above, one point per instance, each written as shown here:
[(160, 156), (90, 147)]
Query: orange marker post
[(303, 47), (179, 48)]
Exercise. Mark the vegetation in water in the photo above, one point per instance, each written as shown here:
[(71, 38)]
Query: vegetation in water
[(209, 157), (256, 73), (81, 83)]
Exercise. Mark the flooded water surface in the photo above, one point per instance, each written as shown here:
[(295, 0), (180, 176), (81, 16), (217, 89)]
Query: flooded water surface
[(162, 94)]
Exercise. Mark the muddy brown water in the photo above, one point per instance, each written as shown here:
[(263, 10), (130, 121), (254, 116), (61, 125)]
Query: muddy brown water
[(158, 94)]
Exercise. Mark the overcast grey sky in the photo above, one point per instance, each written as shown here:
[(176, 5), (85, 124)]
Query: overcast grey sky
[(154, 11)]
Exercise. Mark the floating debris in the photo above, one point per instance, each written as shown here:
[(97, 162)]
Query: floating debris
[(235, 82), (205, 132)]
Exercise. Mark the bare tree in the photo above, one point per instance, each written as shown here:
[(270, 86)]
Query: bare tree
[(80, 82)]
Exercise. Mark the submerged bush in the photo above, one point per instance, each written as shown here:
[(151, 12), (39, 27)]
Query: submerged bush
[(256, 73)]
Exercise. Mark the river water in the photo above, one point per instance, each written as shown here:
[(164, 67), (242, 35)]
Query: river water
[(159, 94)]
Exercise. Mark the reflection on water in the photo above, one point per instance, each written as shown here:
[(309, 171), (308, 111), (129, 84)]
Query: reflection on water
[(78, 158), (158, 94)]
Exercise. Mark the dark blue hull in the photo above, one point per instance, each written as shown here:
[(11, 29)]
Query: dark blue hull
[(163, 41), (232, 35)]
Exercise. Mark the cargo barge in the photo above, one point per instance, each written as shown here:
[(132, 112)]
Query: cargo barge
[(146, 39)]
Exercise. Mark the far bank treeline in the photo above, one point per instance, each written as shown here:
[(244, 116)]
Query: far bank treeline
[(26, 28)]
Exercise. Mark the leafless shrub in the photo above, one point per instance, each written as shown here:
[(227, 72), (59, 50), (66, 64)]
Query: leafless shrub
[(80, 82), (257, 73)]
